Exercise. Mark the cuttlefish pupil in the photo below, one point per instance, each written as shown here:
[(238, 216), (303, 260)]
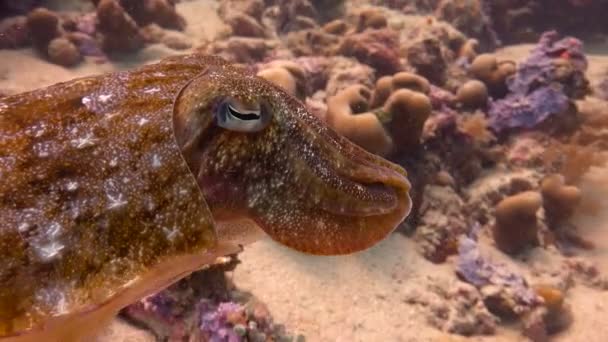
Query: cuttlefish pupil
[(239, 116)]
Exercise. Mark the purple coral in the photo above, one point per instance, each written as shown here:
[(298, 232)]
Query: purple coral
[(540, 69), (543, 86), (478, 270), (215, 323), (527, 111)]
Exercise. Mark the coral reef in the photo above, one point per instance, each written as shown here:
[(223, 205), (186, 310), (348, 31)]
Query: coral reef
[(427, 58), (587, 272), (380, 129), (14, 32), (161, 12), (544, 86), (364, 129), (472, 17), (516, 223), (242, 49), (43, 26), (517, 21), (119, 31), (456, 308), (376, 48), (472, 94), (505, 292), (343, 72), (559, 200), (489, 145), (287, 75), (445, 137), (63, 52), (115, 26), (440, 223), (206, 306), (487, 191), (494, 73), (121, 24)]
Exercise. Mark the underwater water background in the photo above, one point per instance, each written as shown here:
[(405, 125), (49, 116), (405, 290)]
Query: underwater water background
[(497, 111)]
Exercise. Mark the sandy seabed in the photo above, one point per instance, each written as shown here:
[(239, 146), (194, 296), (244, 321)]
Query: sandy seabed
[(361, 297)]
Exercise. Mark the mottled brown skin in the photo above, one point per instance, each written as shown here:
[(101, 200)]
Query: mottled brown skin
[(105, 179)]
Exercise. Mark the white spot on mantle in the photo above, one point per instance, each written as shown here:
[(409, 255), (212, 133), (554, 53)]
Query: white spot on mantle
[(71, 186), (24, 227), (103, 98), (152, 90), (86, 101), (48, 252), (84, 142), (116, 201), (156, 163), (171, 234)]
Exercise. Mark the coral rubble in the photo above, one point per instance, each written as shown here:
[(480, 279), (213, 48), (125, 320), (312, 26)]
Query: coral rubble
[(505, 292), (456, 308), (206, 306)]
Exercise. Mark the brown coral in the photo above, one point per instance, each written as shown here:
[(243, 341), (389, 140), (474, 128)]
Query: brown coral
[(516, 223), (43, 26), (553, 317), (344, 72), (14, 32), (559, 200), (50, 39), (476, 126), (400, 112), (242, 49), (253, 8), (468, 50), (377, 48), (371, 18), (336, 27), (161, 12), (363, 129), (408, 112), (63, 52), (492, 72), (287, 75), (472, 94), (119, 31), (290, 13), (312, 42), (427, 58), (403, 80), (245, 25)]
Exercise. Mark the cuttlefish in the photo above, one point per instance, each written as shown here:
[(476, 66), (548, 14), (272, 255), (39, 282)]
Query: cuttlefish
[(113, 187)]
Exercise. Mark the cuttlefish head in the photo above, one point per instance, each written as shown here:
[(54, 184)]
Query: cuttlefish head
[(258, 154)]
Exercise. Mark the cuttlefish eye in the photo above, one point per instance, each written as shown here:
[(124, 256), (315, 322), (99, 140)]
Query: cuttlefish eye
[(237, 116)]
